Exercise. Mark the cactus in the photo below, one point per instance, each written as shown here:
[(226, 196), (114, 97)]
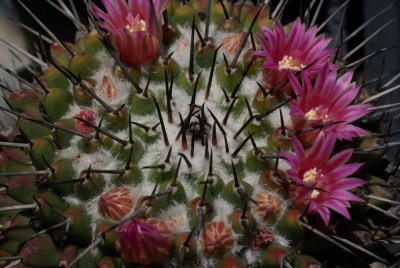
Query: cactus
[(168, 135)]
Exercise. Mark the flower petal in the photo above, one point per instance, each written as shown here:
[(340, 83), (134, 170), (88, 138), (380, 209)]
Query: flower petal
[(325, 214), (338, 207)]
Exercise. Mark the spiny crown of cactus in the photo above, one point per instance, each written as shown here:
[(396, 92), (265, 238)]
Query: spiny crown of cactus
[(193, 134)]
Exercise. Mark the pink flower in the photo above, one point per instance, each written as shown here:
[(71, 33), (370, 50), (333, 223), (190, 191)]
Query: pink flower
[(290, 53), (132, 28), (144, 241), (320, 180), (326, 101)]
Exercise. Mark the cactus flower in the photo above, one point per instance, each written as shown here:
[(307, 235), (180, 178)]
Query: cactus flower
[(320, 181), (132, 28), (326, 101), (284, 54), (144, 241)]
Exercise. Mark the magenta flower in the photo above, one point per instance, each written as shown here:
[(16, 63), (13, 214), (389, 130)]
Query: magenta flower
[(320, 180), (144, 241), (284, 54), (327, 101), (132, 28)]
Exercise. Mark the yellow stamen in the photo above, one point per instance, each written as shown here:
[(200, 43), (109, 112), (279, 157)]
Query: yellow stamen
[(314, 194), (317, 114), (310, 176), (290, 63), (135, 24), (311, 115), (138, 27)]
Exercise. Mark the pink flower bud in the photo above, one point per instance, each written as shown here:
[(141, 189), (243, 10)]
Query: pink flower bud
[(216, 239), (116, 204), (144, 241)]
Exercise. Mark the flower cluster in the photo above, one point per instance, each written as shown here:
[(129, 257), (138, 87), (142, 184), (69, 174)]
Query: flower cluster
[(321, 112), (132, 28)]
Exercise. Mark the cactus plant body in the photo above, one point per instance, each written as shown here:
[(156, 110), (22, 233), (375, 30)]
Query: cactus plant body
[(194, 134)]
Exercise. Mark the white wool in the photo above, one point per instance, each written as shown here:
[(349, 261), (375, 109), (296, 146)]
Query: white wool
[(73, 201), (250, 87), (275, 117), (251, 256), (70, 152), (252, 178), (181, 47), (92, 207), (143, 189), (222, 210), (281, 240), (101, 159), (123, 87), (177, 218), (189, 189)]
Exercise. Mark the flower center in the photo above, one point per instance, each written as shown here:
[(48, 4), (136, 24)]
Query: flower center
[(317, 113), (314, 194), (135, 24), (290, 63), (310, 176)]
